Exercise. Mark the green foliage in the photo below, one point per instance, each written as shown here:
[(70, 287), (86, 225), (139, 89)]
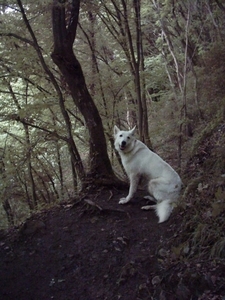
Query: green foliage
[(202, 226)]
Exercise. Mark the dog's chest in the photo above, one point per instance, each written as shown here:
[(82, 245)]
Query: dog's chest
[(133, 163)]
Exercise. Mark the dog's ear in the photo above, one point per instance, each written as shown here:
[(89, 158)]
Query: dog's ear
[(133, 130), (116, 130)]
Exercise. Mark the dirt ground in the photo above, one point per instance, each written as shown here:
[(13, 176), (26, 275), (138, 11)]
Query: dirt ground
[(94, 249)]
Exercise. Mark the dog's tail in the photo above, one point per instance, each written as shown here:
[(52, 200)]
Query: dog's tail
[(163, 210)]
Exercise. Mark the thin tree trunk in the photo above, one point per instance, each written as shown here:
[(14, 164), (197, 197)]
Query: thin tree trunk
[(141, 78), (32, 186), (61, 179), (135, 59), (32, 195), (8, 211)]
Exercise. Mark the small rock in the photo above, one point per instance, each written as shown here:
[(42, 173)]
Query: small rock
[(163, 252), (156, 280)]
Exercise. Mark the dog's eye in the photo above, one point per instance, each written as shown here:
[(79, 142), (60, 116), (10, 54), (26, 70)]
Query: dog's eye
[(121, 135), (128, 137)]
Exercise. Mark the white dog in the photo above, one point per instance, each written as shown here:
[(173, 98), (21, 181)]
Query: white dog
[(138, 161)]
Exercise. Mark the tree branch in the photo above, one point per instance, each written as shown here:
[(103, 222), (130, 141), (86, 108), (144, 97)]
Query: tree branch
[(25, 40)]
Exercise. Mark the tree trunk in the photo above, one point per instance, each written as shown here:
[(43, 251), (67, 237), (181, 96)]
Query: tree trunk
[(32, 185), (140, 84), (9, 212), (63, 56), (135, 57)]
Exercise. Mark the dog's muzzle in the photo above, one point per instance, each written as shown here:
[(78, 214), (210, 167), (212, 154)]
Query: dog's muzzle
[(123, 145)]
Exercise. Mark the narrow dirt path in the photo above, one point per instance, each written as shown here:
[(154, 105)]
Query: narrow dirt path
[(96, 249)]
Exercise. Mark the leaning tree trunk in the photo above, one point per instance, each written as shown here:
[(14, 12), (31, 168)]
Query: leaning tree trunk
[(64, 33)]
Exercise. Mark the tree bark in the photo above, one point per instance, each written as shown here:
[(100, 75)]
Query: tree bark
[(64, 33)]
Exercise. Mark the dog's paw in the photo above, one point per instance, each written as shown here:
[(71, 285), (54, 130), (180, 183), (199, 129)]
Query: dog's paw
[(151, 198), (148, 207), (123, 201)]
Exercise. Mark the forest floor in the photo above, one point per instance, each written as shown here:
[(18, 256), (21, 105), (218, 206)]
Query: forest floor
[(93, 248)]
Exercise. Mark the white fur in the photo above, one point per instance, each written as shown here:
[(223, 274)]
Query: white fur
[(138, 160)]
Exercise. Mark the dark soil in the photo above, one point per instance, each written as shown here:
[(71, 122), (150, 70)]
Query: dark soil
[(95, 249)]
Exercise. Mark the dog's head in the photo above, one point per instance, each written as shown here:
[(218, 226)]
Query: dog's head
[(124, 140)]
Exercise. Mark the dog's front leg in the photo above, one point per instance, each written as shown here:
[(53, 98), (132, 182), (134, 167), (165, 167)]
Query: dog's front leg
[(134, 179)]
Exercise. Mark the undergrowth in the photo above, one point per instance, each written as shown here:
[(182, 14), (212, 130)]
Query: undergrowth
[(201, 234)]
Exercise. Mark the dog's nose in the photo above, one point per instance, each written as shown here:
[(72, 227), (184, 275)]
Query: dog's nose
[(123, 143)]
